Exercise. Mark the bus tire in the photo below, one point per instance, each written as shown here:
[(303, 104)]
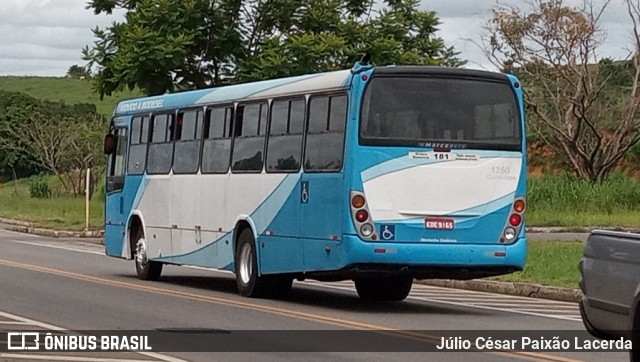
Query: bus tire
[(246, 267), (145, 268), (278, 286), (387, 288)]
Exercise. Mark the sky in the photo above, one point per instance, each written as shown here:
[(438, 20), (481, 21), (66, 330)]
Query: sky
[(45, 37)]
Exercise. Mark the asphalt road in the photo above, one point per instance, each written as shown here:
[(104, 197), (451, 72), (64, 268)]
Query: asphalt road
[(50, 284)]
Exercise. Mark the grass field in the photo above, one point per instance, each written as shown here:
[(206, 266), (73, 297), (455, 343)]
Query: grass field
[(552, 263), (69, 90), (58, 212), (565, 201)]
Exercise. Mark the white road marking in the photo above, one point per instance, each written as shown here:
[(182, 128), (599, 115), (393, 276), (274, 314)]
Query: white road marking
[(57, 247), (543, 308), (31, 322), (14, 323)]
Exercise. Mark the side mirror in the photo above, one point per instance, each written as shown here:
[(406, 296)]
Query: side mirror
[(110, 144)]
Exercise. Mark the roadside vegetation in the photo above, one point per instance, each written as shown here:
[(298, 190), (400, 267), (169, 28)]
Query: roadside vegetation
[(553, 263), (43, 202), (563, 200)]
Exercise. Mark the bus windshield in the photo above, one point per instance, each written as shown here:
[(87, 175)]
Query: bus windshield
[(444, 112)]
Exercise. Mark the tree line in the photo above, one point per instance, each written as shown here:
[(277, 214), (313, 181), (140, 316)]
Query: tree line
[(39, 136)]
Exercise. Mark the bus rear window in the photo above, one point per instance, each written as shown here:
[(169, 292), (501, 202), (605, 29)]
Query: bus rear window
[(455, 112)]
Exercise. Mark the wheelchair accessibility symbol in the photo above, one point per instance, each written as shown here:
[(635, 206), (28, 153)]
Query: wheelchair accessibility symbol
[(387, 232), (304, 192)]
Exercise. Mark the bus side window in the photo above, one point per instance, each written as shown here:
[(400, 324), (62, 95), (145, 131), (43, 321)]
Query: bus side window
[(160, 152), (284, 147), (216, 149), (138, 147), (186, 157), (248, 144), (116, 161), (324, 148)]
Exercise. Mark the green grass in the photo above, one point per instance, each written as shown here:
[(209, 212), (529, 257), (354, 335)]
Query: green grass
[(577, 219), (58, 212), (552, 263), (565, 201), (71, 91)]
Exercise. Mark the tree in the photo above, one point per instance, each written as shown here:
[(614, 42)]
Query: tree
[(15, 163), (332, 34), (584, 107), (58, 138), (173, 44), (165, 44), (78, 72)]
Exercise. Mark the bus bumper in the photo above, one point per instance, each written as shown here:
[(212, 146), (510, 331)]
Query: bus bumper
[(434, 260)]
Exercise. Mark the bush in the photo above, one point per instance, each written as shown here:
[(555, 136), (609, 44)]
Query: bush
[(39, 188)]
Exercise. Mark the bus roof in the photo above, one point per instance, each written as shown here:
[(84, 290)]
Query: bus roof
[(238, 92), (282, 87)]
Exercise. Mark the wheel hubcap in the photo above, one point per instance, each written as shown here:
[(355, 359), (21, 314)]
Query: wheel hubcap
[(141, 253), (246, 265)]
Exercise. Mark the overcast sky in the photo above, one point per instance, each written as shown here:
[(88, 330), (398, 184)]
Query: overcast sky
[(45, 37)]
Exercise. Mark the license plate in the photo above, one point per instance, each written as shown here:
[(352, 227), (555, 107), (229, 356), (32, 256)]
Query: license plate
[(439, 223)]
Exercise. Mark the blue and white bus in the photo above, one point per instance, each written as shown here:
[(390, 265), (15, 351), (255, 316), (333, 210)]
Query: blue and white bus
[(380, 175)]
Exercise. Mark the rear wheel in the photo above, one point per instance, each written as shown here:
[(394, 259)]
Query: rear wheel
[(250, 284), (386, 288), (145, 268)]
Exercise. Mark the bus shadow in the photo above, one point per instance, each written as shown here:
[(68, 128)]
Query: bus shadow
[(317, 296)]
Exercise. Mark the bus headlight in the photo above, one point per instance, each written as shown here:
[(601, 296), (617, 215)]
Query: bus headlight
[(366, 229), (509, 233)]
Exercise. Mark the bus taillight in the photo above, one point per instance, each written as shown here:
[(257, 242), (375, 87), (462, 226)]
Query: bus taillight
[(357, 201), (515, 220), (518, 206), (361, 217)]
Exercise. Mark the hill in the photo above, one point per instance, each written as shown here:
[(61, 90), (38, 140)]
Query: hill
[(68, 90)]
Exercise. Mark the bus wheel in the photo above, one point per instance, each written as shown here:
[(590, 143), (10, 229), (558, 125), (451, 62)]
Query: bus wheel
[(145, 268), (246, 265), (387, 288)]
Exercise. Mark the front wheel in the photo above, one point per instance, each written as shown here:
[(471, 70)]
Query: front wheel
[(145, 268), (246, 266), (386, 288)]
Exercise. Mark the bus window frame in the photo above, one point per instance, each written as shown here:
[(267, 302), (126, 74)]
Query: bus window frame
[(289, 99), (205, 135), (120, 179), (148, 117), (234, 130), (306, 128), (200, 140), (451, 144), (169, 135)]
